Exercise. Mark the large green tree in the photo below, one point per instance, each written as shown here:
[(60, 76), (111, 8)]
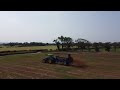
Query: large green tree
[(82, 43), (66, 42)]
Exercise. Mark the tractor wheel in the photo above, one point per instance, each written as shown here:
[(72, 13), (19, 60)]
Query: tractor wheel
[(50, 61), (59, 63), (65, 63), (44, 61)]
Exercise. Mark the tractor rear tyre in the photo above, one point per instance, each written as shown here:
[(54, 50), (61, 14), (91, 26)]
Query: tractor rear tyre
[(50, 61), (59, 63), (65, 63), (43, 61)]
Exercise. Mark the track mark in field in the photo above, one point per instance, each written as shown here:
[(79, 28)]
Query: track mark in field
[(43, 69), (16, 74), (96, 72), (40, 67), (92, 70), (36, 72), (28, 74), (51, 67)]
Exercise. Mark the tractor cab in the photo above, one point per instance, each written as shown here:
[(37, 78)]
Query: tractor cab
[(50, 55)]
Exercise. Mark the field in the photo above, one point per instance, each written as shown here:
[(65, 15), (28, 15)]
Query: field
[(101, 65), (4, 48), (53, 47)]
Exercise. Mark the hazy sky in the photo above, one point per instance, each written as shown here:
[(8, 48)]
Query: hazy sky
[(44, 26)]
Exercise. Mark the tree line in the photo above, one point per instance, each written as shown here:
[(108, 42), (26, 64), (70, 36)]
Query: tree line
[(24, 44), (67, 43)]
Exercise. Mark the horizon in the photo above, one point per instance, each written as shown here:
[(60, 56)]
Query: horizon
[(45, 26)]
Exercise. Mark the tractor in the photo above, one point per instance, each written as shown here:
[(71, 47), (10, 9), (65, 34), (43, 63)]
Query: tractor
[(52, 59)]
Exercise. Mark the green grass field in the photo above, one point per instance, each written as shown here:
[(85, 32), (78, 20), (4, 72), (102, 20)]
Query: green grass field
[(29, 66)]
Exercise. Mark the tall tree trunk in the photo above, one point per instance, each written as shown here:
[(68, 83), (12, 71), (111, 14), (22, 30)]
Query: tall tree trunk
[(58, 46), (62, 46), (89, 48), (82, 49), (115, 48)]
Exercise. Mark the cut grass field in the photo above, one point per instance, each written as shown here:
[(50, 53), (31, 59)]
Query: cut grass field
[(53, 47), (29, 66), (4, 48)]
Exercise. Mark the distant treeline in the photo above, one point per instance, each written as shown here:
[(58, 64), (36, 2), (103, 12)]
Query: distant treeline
[(67, 43), (26, 44)]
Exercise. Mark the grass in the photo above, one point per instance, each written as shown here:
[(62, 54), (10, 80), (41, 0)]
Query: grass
[(28, 48), (23, 66), (53, 47)]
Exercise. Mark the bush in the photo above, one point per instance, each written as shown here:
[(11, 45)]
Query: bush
[(51, 50), (97, 49)]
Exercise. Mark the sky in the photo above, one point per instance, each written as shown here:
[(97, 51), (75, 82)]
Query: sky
[(45, 26)]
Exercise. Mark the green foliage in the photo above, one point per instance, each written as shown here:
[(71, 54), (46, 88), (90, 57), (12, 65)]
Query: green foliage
[(57, 43), (82, 44), (107, 46), (66, 42), (96, 46)]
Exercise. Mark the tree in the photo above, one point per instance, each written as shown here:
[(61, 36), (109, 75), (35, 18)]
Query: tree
[(78, 43), (57, 43), (88, 44), (68, 42), (61, 39), (101, 45), (82, 43), (114, 46), (107, 46), (65, 42), (96, 46), (119, 44)]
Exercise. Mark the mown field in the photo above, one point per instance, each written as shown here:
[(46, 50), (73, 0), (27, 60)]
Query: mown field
[(4, 48), (49, 47), (101, 65)]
